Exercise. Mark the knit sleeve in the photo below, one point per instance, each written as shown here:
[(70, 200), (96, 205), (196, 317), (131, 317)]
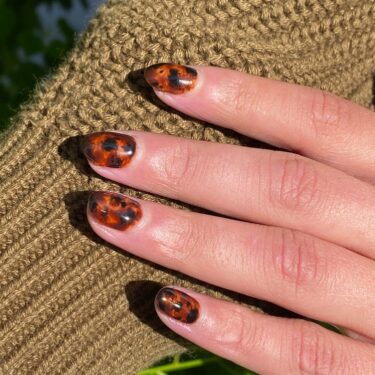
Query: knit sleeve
[(70, 303)]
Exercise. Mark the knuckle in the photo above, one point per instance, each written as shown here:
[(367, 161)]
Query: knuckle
[(177, 239), (295, 259), (327, 115), (313, 351), (236, 333), (295, 184), (243, 96), (178, 167)]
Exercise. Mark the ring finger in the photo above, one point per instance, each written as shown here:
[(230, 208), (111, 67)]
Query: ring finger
[(288, 268)]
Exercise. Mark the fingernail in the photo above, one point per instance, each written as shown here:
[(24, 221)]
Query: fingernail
[(114, 210), (177, 305), (171, 78), (109, 149)]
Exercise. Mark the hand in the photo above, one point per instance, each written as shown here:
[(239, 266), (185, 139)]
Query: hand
[(301, 232)]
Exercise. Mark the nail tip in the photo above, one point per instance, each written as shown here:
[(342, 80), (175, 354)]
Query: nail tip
[(92, 200), (109, 149), (84, 145), (114, 210), (177, 305), (171, 78)]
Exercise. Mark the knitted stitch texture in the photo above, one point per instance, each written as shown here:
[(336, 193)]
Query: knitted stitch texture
[(70, 303)]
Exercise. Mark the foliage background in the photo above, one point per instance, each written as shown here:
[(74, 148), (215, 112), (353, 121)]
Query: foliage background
[(28, 51)]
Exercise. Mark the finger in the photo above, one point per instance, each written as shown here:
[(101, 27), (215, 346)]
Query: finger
[(357, 336), (309, 275), (265, 344), (309, 121), (274, 188)]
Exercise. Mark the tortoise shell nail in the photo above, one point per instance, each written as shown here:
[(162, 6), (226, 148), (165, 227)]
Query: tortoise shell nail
[(109, 149), (172, 78), (114, 210), (177, 305)]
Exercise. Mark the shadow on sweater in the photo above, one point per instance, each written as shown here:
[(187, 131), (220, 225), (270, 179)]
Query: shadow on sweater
[(71, 149), (140, 295)]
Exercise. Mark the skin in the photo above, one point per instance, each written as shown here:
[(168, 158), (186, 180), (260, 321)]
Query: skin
[(300, 225)]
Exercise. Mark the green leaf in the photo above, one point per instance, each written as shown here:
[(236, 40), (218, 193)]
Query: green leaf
[(7, 22), (67, 31), (198, 362), (66, 3), (30, 42), (85, 3), (55, 51)]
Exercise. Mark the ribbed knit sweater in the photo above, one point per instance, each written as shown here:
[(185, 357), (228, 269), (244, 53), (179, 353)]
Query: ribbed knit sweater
[(70, 303)]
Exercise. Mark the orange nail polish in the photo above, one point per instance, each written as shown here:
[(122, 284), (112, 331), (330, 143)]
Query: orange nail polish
[(109, 149), (114, 210), (171, 78)]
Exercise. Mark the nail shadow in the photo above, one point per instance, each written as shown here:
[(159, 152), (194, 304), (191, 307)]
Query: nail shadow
[(140, 295), (75, 203), (71, 149)]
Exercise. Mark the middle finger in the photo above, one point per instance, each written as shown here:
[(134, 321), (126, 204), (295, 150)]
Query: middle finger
[(269, 187)]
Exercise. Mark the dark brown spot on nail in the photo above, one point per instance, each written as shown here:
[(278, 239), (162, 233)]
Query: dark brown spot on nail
[(109, 149), (172, 78), (177, 305), (114, 210)]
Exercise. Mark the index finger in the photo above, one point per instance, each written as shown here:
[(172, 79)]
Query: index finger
[(308, 121)]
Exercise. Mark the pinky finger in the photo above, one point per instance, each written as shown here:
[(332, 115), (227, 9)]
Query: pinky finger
[(265, 344)]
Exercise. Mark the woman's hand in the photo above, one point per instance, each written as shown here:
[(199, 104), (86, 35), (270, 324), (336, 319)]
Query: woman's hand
[(301, 232)]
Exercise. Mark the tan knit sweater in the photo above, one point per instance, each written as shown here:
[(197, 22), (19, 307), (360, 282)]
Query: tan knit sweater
[(70, 303)]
